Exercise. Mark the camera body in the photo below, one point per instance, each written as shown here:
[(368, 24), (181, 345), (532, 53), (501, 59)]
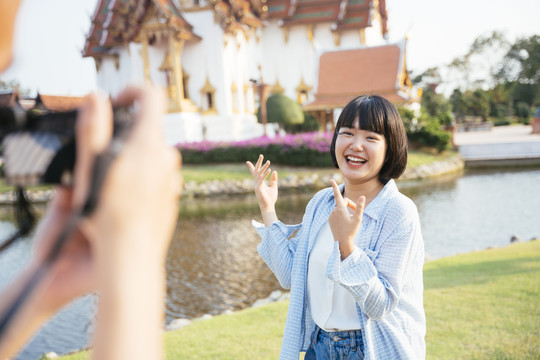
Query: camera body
[(39, 146)]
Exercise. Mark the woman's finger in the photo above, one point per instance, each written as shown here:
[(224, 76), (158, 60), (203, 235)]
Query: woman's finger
[(151, 104), (93, 132), (265, 174), (251, 167), (264, 169), (273, 179), (337, 194), (259, 162), (359, 211)]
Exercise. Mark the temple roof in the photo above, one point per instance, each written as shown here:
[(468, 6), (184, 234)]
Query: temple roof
[(9, 98), (234, 15), (345, 74), (344, 14), (58, 103), (116, 22)]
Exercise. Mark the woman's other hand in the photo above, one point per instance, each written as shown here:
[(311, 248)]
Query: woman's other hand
[(343, 224), (266, 194)]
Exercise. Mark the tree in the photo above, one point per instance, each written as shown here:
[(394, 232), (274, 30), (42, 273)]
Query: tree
[(521, 68), (13, 85), (460, 104), (282, 110), (481, 54), (479, 103)]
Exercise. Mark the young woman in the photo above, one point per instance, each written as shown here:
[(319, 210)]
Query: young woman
[(355, 265)]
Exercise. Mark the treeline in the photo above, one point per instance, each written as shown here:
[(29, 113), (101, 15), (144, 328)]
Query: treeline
[(482, 91)]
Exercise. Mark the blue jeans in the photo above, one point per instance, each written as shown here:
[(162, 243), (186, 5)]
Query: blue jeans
[(338, 345)]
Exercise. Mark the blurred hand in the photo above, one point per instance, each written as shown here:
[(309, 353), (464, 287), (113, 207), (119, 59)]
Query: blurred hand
[(139, 198), (343, 224), (73, 273)]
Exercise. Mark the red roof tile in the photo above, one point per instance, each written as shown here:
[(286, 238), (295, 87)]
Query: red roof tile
[(59, 103), (346, 74), (344, 14)]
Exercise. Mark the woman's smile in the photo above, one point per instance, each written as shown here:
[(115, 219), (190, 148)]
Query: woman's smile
[(360, 153)]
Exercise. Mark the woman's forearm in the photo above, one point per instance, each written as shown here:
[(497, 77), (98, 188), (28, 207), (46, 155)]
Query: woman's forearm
[(269, 216), (131, 310)]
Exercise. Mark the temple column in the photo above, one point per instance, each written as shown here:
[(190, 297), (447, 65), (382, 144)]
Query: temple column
[(144, 55), (175, 50)]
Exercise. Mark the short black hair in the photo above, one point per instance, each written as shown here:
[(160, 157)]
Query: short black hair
[(379, 115)]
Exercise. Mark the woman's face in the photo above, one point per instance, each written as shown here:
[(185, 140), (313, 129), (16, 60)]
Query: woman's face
[(360, 154)]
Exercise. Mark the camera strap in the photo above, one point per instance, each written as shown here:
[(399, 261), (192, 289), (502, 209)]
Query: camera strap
[(24, 218), (101, 167)]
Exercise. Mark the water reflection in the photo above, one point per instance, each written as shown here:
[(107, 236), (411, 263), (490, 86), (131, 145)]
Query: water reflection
[(213, 265)]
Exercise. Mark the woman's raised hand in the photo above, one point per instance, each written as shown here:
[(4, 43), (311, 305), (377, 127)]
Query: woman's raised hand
[(266, 194), (343, 224)]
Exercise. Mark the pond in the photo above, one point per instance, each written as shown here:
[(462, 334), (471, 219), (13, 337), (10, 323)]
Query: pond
[(213, 265)]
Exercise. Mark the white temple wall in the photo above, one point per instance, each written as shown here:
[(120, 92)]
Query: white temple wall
[(351, 39), (373, 34), (203, 59), (156, 55)]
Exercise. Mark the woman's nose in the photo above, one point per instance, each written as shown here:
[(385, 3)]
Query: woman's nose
[(357, 144)]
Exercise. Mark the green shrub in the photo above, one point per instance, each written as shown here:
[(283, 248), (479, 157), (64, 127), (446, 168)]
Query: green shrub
[(523, 112), (282, 110), (307, 149), (310, 124), (501, 122), (429, 133)]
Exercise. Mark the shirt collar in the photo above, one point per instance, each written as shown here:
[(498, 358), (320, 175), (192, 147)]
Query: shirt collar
[(376, 206)]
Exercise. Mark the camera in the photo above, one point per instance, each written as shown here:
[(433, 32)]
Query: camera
[(39, 146)]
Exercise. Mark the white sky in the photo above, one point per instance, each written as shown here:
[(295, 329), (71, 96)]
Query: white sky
[(50, 36)]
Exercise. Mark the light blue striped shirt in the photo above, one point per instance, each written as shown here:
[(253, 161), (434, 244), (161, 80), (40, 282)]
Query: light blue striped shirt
[(384, 274)]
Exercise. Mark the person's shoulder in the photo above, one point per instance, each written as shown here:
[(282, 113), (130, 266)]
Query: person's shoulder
[(400, 205)]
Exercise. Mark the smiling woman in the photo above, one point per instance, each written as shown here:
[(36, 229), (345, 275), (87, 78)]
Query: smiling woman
[(352, 277)]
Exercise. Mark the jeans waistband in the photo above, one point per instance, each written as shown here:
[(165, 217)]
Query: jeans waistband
[(336, 336)]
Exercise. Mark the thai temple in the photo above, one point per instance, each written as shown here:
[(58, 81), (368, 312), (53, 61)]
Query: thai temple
[(217, 59)]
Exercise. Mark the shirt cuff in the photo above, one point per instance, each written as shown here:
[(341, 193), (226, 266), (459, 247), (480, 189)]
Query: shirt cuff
[(356, 269), (277, 227)]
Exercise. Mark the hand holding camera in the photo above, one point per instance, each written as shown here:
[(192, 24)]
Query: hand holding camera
[(132, 222)]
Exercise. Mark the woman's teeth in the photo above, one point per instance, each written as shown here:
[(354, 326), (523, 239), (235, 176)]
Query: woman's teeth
[(353, 160)]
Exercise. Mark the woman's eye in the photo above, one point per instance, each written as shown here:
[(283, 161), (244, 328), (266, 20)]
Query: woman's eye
[(348, 133)]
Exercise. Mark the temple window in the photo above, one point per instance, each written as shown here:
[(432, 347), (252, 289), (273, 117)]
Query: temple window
[(185, 83), (166, 67), (208, 104), (302, 91)]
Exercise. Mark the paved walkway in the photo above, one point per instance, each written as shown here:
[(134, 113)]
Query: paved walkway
[(501, 143)]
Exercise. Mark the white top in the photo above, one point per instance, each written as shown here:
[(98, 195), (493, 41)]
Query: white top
[(333, 308)]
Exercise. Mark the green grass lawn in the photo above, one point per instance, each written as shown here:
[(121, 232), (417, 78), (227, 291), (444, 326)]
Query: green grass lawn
[(481, 305)]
